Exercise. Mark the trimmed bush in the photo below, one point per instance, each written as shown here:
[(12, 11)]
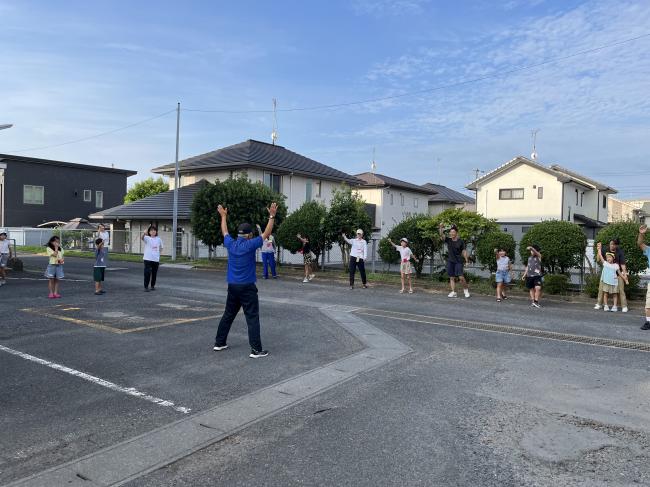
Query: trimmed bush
[(494, 240), (562, 245), (592, 282), (557, 284)]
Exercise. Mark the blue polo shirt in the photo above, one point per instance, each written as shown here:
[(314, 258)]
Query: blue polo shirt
[(241, 259)]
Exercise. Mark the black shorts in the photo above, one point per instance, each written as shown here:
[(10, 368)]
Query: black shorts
[(454, 269), (98, 274), (533, 282)]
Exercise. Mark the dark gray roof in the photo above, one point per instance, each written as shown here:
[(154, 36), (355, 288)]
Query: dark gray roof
[(159, 206), (589, 222), (254, 153), (374, 179), (447, 194), (34, 160)]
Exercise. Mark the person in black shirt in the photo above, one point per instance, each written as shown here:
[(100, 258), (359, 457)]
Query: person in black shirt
[(456, 258)]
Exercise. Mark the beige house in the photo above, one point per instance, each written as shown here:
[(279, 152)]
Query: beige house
[(446, 198), (523, 192), (628, 210), (393, 199)]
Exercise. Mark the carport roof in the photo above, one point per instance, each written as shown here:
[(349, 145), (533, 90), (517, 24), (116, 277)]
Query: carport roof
[(159, 206)]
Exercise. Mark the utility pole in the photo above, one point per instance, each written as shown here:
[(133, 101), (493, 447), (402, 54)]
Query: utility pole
[(176, 178)]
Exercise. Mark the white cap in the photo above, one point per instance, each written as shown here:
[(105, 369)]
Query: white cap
[(404, 239), (359, 231)]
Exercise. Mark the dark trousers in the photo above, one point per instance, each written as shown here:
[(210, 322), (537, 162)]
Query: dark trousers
[(150, 272), (241, 296), (268, 259), (354, 263)]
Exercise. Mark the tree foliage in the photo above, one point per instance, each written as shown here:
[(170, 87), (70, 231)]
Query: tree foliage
[(306, 220), (421, 246), (495, 239), (627, 233), (247, 202), (148, 187), (347, 213), (562, 245)]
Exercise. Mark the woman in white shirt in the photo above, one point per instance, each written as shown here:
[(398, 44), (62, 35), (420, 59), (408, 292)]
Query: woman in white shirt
[(405, 262), (358, 255), (152, 247)]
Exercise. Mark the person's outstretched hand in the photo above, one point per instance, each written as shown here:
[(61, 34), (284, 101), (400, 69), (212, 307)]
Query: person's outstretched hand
[(222, 211), (273, 209), (643, 228)]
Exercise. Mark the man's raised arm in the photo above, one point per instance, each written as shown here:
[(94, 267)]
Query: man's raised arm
[(273, 209), (224, 218), (641, 239)]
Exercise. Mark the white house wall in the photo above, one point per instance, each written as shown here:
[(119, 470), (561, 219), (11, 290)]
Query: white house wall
[(389, 215), (529, 209)]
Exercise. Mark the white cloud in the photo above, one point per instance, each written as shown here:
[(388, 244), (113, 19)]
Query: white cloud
[(380, 8)]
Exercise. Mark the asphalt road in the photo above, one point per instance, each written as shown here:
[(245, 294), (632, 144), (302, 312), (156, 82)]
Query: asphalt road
[(465, 407)]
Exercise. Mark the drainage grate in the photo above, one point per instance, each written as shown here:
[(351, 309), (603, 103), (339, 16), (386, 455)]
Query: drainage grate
[(511, 330)]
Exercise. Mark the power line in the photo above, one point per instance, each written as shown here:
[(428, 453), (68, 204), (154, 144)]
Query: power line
[(437, 88), (96, 135)]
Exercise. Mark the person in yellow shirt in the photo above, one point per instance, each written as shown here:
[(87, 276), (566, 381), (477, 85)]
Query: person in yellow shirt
[(54, 271)]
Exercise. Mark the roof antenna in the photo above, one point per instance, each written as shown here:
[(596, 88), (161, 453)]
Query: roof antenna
[(373, 166), (533, 134), (274, 134)]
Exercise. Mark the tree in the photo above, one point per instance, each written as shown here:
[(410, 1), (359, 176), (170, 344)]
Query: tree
[(562, 245), (148, 187), (471, 226), (494, 239), (347, 214), (306, 220), (627, 233), (422, 247), (246, 202)]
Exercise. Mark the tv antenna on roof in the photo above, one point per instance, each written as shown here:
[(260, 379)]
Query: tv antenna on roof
[(274, 134), (373, 165), (533, 134)]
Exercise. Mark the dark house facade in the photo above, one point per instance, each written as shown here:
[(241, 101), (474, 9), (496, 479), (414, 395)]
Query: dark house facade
[(35, 191)]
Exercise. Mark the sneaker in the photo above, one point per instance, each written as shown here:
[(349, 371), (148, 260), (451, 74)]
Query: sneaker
[(401, 291), (258, 354), (410, 291), (351, 287), (624, 310), (98, 293), (646, 326), (504, 297), (153, 288), (311, 276), (51, 296), (305, 280), (102, 292), (466, 292), (275, 277), (365, 286), (614, 309), (219, 348), (605, 307), (597, 306), (452, 295), (498, 300), (535, 304)]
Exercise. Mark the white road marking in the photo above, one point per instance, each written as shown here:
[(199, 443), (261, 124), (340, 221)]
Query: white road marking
[(44, 279), (117, 269), (131, 391)]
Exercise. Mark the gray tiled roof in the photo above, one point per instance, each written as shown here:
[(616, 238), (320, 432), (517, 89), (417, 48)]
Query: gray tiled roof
[(159, 206), (448, 195), (374, 179), (253, 153), (73, 165)]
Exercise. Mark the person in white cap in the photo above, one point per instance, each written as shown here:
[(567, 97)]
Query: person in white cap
[(358, 255), (406, 255)]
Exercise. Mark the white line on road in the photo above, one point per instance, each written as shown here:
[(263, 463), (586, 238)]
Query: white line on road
[(96, 380), (44, 279)]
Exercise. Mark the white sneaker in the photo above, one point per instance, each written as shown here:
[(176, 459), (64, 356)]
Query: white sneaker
[(605, 308), (598, 306), (466, 291), (452, 295), (614, 309), (311, 276), (305, 280), (624, 310)]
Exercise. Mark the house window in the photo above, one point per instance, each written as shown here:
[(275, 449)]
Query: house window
[(576, 197), (99, 199), (272, 181), (524, 229), (33, 195), (540, 193), (88, 195), (511, 194), (605, 201), (317, 188), (401, 197), (391, 199), (582, 197), (415, 202), (308, 190)]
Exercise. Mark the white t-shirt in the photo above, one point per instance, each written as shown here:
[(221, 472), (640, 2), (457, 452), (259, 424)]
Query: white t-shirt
[(105, 237), (503, 263), (4, 246), (404, 252), (359, 248), (152, 248)]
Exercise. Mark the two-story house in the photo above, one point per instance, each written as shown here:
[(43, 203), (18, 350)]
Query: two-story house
[(446, 198), (394, 199), (34, 191), (523, 192)]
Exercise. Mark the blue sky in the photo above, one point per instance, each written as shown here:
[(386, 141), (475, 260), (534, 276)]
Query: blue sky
[(73, 69)]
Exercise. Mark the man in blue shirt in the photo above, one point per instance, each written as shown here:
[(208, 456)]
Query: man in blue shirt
[(242, 291), (646, 250)]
